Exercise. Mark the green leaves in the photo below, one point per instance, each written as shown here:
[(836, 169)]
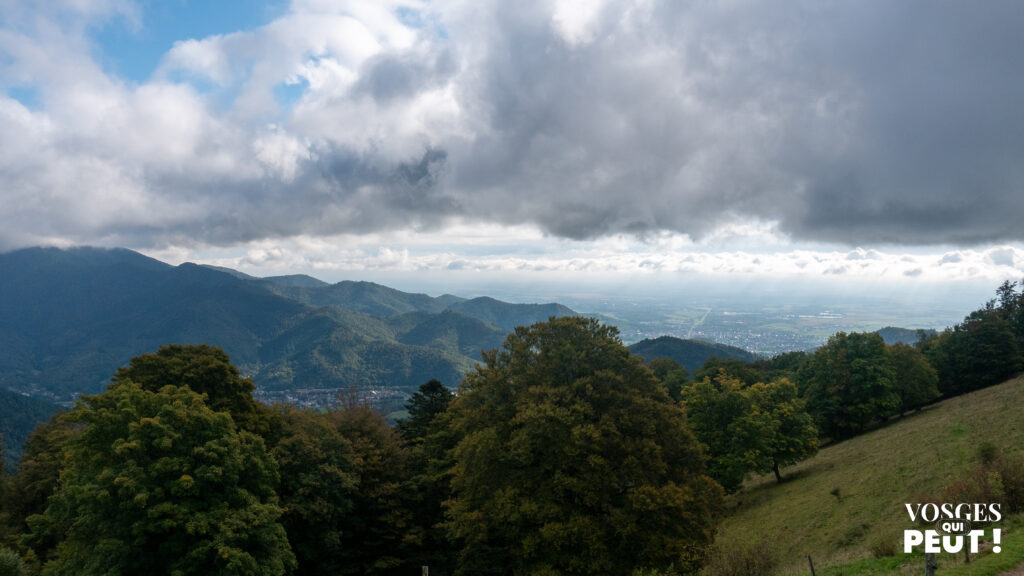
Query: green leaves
[(849, 384), (157, 482), (573, 460)]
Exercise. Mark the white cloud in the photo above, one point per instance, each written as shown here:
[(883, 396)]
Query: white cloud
[(709, 138)]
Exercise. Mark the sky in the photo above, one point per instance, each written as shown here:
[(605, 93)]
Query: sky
[(570, 140)]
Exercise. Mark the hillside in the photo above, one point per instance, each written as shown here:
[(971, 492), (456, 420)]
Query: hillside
[(692, 354), (69, 318), (892, 335), (19, 415), (873, 476)]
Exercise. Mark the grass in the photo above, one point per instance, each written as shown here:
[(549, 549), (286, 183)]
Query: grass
[(849, 499)]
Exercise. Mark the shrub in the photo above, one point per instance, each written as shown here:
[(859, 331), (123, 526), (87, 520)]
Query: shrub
[(999, 478)]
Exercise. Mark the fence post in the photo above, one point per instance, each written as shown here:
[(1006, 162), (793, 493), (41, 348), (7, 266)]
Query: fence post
[(929, 564)]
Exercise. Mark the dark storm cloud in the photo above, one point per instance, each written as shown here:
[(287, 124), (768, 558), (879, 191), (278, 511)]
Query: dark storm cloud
[(861, 123)]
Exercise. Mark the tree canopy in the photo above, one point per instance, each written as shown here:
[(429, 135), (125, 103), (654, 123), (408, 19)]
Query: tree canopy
[(849, 384), (574, 460), (158, 483), (205, 370)]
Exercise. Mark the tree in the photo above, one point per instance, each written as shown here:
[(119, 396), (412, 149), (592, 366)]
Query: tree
[(205, 370), (917, 383), (429, 442), (784, 431), (431, 399), (978, 352), (379, 533), (574, 460), (849, 384), (715, 408), (319, 482), (158, 483)]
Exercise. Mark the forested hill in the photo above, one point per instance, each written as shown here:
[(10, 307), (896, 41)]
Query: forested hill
[(19, 415), (691, 354), (70, 317)]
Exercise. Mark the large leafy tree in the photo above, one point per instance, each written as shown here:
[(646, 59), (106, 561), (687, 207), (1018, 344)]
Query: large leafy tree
[(379, 534), (715, 409), (849, 383), (759, 428), (783, 430), (318, 486), (205, 370), (574, 460), (158, 483)]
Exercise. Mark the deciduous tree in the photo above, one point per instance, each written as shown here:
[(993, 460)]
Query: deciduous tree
[(158, 483), (205, 370), (574, 460), (784, 432), (849, 384)]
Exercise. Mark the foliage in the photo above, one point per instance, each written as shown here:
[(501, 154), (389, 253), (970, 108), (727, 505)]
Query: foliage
[(430, 442), (11, 563), (717, 411), (760, 428), (157, 482), (1000, 480), (206, 370), (978, 352), (786, 365), (317, 489), (916, 381), (745, 372), (38, 477), (849, 384), (423, 406), (672, 376), (573, 460), (380, 531), (785, 432)]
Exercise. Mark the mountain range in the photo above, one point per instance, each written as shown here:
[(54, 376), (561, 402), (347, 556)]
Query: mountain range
[(70, 317)]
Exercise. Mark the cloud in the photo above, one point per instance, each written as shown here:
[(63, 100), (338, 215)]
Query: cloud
[(823, 123)]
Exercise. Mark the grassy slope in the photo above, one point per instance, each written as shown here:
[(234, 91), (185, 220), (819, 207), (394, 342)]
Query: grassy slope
[(875, 475)]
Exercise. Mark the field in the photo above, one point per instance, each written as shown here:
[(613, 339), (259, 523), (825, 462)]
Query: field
[(847, 503)]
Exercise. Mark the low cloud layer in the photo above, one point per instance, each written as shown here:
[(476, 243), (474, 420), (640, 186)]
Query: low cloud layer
[(860, 123)]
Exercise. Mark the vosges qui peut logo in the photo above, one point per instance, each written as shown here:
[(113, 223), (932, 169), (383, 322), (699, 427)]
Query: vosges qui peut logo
[(956, 526)]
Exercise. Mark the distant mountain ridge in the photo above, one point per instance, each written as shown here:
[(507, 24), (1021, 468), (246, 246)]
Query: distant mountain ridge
[(691, 354), (70, 317)]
